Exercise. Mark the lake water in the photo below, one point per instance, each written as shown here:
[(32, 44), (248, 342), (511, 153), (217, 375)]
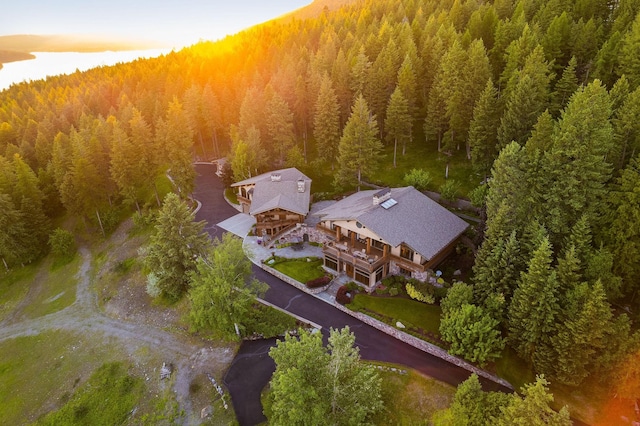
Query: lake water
[(55, 63)]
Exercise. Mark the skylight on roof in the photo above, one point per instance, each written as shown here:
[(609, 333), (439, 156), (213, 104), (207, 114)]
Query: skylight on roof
[(389, 203)]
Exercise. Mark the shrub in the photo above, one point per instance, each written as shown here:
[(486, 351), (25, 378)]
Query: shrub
[(153, 289), (479, 195), (418, 178), (420, 291), (342, 296), (393, 291), (62, 243), (318, 282), (352, 286), (448, 190)]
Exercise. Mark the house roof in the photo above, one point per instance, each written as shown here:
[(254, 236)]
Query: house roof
[(283, 193), (415, 219)]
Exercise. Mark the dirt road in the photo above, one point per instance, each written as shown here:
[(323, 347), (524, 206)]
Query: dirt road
[(189, 355)]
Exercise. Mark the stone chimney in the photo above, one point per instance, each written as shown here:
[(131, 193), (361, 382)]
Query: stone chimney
[(381, 196), (300, 185)]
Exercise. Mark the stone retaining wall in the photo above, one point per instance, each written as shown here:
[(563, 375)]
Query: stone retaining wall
[(422, 345)]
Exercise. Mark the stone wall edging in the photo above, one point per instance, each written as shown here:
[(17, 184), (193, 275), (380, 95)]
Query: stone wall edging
[(422, 345)]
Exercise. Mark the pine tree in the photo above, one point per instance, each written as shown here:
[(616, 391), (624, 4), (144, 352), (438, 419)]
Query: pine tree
[(280, 125), (527, 99), (174, 247), (623, 234), (398, 121), (326, 123), (482, 130), (629, 60), (359, 149), (177, 139), (534, 306), (585, 323), (576, 163), (566, 86), (626, 128), (533, 408)]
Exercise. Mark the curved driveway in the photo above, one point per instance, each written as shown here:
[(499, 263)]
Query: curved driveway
[(252, 367)]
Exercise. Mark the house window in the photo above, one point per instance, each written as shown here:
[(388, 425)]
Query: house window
[(362, 277), (406, 253), (331, 263), (377, 244)]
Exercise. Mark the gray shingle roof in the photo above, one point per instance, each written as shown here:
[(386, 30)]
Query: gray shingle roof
[(416, 220), (283, 194)]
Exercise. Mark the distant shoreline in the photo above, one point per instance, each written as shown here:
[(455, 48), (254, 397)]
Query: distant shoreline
[(7, 56), (18, 47)]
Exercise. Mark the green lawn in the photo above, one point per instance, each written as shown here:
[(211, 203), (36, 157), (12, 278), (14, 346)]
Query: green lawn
[(268, 322), (300, 269), (231, 195), (409, 312)]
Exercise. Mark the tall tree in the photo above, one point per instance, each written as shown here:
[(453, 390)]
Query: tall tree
[(533, 408), (177, 139), (534, 306), (359, 149), (398, 122), (280, 125), (577, 165), (527, 97), (585, 324), (174, 247), (482, 130), (221, 292), (314, 385), (326, 123), (629, 60)]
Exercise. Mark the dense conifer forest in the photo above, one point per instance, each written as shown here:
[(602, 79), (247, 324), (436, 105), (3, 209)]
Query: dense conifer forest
[(540, 97)]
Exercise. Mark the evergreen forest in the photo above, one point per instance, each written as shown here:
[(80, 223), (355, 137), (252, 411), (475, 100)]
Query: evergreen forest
[(537, 100)]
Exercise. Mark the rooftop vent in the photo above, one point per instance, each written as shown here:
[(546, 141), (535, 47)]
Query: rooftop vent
[(276, 177), (381, 196), (300, 185)]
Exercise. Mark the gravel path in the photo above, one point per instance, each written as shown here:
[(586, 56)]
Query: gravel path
[(189, 355)]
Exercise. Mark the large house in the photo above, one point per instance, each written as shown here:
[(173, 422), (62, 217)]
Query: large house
[(278, 200), (390, 231)]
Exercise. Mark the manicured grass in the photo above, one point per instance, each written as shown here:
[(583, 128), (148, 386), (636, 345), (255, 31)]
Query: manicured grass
[(300, 269), (108, 398), (231, 195), (411, 398), (58, 292), (409, 312), (14, 285)]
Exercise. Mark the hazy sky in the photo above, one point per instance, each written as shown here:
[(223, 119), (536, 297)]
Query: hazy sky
[(178, 22)]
